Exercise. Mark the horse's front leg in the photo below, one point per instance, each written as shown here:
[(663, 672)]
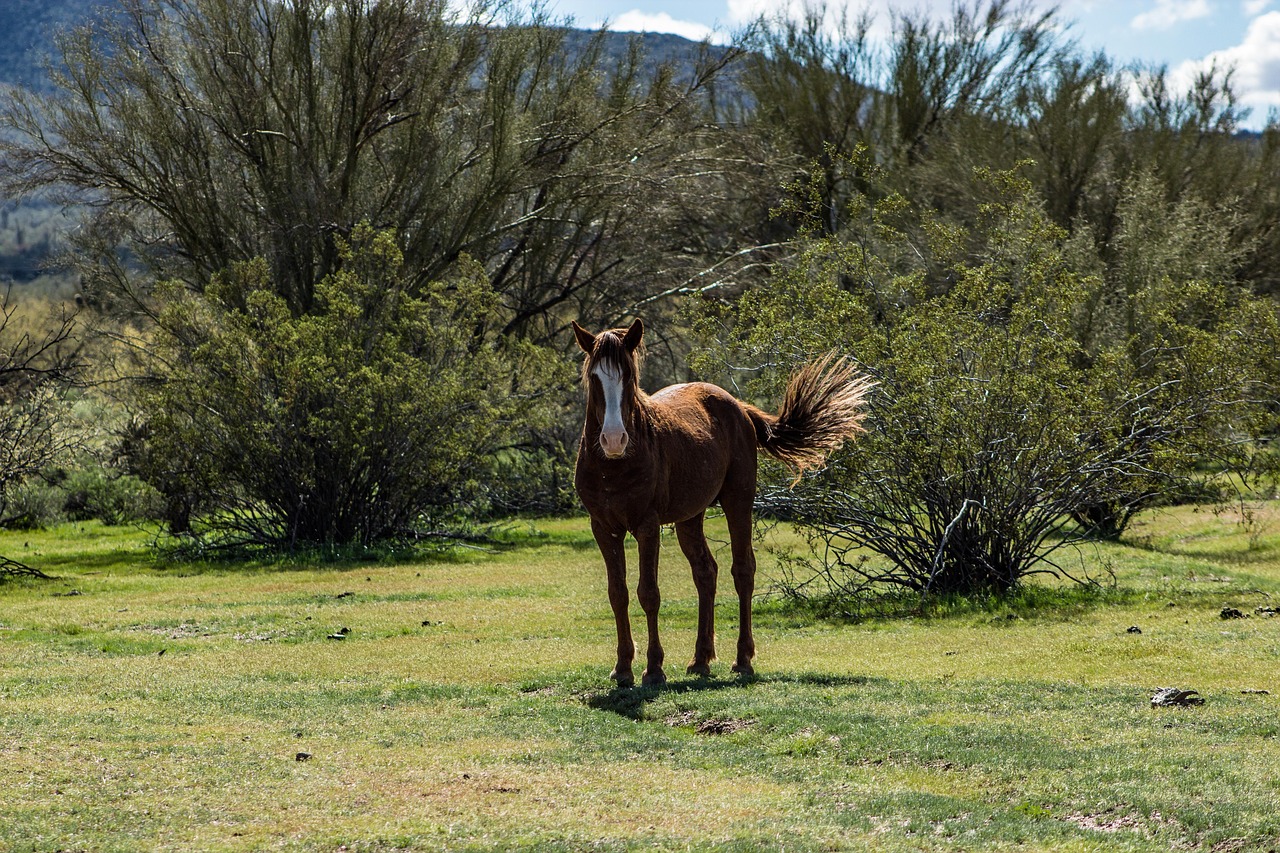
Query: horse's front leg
[(648, 538), (615, 564)]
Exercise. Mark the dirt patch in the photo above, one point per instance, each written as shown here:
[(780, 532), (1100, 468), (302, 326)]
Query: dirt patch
[(1230, 845), (709, 726), (1106, 821), (175, 632)]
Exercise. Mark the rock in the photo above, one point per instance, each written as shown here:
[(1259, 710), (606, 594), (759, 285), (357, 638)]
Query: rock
[(1133, 629), (1231, 613), (1172, 697)]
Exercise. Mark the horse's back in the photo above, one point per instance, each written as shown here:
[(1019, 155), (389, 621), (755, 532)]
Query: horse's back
[(709, 437), (703, 411)]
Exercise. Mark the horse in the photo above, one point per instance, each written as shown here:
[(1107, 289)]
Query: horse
[(647, 461)]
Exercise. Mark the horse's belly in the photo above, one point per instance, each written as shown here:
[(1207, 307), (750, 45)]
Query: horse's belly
[(692, 486)]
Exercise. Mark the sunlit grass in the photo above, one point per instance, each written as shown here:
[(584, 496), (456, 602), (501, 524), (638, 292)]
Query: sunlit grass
[(164, 706)]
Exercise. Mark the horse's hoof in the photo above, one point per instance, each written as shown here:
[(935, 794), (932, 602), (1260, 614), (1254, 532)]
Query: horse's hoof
[(654, 678), (623, 677), (702, 669), (745, 670)]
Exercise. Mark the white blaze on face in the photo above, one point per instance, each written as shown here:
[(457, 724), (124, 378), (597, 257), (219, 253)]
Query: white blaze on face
[(613, 433)]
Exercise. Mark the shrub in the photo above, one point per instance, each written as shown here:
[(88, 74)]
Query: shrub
[(993, 425), (373, 416), (34, 504), (112, 497)]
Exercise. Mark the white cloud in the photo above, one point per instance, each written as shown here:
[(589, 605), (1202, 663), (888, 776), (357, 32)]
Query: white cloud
[(1169, 12), (636, 21), (1254, 7), (1256, 61)]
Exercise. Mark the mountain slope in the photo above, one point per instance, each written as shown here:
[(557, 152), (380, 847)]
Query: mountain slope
[(27, 29)]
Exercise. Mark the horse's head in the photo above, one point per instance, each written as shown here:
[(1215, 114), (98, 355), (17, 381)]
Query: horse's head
[(611, 375)]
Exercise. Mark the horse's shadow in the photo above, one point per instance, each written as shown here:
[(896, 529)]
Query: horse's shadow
[(630, 702)]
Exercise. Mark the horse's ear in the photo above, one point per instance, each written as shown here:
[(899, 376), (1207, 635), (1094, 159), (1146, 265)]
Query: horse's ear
[(631, 339), (586, 340)]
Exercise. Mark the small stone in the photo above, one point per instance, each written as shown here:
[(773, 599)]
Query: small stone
[(1172, 697), (302, 756), (1133, 629)]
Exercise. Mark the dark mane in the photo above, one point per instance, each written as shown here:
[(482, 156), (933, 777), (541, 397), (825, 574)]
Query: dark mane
[(609, 349)]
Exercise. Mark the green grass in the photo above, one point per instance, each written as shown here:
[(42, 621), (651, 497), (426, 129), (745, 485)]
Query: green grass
[(164, 706)]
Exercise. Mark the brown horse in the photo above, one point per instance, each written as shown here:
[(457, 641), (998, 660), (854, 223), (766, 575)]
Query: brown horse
[(646, 461)]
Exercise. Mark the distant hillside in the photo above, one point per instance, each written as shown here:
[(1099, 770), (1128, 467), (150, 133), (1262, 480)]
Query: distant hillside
[(26, 34)]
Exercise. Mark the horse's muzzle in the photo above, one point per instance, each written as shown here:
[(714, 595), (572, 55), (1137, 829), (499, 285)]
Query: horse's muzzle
[(614, 444)]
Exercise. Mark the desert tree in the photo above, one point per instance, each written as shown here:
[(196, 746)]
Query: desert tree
[(912, 90), (974, 64), (211, 132)]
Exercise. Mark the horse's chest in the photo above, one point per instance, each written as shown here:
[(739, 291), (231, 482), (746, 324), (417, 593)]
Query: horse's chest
[(616, 491)]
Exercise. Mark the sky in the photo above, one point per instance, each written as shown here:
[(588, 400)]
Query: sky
[(1184, 35)]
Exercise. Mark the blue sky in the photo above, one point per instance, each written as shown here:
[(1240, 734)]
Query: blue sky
[(1182, 34)]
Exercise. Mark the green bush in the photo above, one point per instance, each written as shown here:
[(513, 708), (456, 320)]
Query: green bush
[(376, 415), (34, 504), (112, 497), (993, 424)]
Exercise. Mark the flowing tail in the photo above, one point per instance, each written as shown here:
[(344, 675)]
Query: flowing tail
[(823, 407)]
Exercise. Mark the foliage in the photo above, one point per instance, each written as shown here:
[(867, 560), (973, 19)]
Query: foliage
[(993, 423), (242, 142), (38, 359), (1167, 326), (375, 415), (87, 491)]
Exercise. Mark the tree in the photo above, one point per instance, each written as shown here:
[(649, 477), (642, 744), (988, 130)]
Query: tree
[(37, 361), (1165, 321), (814, 86), (823, 88), (212, 132), (992, 426), (374, 416)]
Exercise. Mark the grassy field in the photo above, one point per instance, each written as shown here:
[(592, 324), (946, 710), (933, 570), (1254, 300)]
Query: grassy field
[(145, 706)]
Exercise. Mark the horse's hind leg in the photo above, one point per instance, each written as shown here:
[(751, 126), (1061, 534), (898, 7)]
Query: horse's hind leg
[(694, 545), (615, 564), (737, 512)]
